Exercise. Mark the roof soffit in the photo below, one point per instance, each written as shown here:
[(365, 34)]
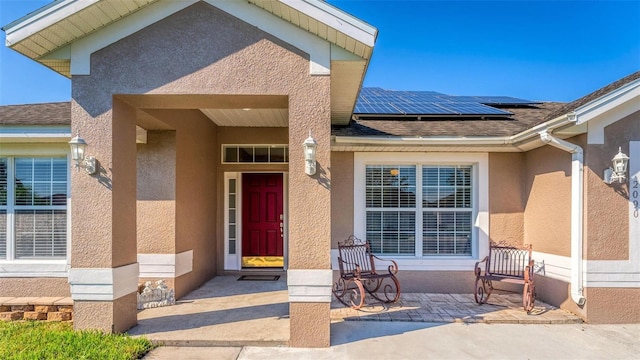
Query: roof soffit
[(46, 34)]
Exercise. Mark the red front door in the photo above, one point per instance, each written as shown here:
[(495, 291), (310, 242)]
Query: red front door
[(262, 220)]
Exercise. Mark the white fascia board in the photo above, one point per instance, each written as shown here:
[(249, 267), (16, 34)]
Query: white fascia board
[(20, 134), (607, 102), (82, 49), (409, 141), (42, 19), (336, 19)]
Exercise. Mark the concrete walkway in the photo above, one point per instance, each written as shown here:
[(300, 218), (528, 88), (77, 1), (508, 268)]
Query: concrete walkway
[(418, 340), (227, 312)]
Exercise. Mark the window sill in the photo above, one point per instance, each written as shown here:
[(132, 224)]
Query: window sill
[(34, 268), (439, 263)]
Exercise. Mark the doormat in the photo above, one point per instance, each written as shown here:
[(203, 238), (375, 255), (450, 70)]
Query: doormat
[(259, 278)]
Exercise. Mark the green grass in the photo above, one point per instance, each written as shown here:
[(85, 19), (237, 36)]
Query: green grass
[(57, 340)]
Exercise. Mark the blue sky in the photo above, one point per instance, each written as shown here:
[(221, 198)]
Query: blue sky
[(537, 50)]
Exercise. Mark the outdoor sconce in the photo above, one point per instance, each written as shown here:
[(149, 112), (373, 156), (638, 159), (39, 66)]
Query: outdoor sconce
[(310, 155), (88, 163), (619, 170)]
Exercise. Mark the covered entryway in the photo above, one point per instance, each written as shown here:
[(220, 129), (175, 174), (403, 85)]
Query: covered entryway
[(262, 221)]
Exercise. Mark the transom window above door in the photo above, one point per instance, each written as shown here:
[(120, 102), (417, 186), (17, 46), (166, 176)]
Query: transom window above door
[(247, 154)]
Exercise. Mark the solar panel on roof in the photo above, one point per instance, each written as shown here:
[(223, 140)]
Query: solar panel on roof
[(379, 102), (474, 109), (377, 108), (425, 108)]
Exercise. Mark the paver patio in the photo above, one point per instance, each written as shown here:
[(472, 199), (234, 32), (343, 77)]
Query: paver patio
[(502, 308)]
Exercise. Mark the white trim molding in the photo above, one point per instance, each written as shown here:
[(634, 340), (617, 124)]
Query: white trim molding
[(480, 195), (34, 268), (103, 284), (310, 285), (165, 266)]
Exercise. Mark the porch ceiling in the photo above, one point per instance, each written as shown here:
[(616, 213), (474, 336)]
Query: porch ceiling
[(223, 110), (248, 117)]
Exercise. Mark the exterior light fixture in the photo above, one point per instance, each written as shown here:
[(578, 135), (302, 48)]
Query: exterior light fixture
[(310, 145), (87, 163), (619, 169)]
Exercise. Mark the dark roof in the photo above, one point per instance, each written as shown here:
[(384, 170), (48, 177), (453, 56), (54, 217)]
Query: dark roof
[(523, 118), (569, 107), (36, 114)]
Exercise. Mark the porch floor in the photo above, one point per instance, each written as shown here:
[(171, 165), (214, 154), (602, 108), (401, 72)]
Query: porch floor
[(227, 312)]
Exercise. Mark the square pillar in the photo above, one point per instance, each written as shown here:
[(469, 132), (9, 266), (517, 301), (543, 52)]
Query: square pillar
[(309, 273), (104, 269)]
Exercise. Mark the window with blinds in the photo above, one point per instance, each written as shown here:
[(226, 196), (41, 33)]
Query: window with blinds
[(446, 210), (33, 208), (419, 210)]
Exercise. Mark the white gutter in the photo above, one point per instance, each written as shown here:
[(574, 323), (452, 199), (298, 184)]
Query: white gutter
[(577, 178)]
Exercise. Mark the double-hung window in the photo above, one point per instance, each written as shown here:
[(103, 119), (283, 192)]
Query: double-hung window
[(33, 208), (418, 207)]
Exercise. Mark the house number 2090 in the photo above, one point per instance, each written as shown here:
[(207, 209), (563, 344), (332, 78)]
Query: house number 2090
[(635, 196)]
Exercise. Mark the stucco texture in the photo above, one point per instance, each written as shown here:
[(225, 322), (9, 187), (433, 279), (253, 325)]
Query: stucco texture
[(182, 63), (506, 204), (606, 206), (341, 197), (117, 316), (613, 305), (547, 200), (311, 330), (30, 287), (156, 207)]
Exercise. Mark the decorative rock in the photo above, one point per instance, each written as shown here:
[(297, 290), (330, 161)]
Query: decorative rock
[(34, 315), (155, 295)]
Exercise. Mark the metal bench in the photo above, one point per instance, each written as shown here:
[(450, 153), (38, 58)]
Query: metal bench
[(506, 263), (358, 275)]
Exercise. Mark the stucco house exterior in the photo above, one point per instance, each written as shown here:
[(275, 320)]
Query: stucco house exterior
[(196, 112)]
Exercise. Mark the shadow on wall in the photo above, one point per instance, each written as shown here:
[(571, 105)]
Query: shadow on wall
[(198, 36), (321, 176)]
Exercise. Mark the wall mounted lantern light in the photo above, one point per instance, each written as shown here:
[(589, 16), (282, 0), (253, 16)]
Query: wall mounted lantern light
[(310, 145), (78, 147), (619, 169)]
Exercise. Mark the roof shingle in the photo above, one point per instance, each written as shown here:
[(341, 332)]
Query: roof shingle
[(58, 113)]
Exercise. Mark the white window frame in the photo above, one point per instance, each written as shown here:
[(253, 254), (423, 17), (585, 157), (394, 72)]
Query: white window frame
[(11, 267), (480, 202)]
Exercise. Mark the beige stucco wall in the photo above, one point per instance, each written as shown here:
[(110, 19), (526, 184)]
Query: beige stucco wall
[(341, 197), (28, 287), (200, 50), (613, 305), (606, 206), (156, 208), (195, 192), (547, 200), (506, 194)]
